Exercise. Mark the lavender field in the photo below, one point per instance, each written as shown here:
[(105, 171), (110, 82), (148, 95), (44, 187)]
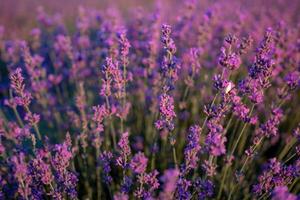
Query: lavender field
[(150, 100)]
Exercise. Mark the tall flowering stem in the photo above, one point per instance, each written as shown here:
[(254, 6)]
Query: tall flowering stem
[(124, 51), (168, 71), (24, 99), (111, 80)]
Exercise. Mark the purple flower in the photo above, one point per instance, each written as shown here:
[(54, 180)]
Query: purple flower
[(292, 79), (191, 151), (170, 66), (23, 100), (230, 61), (261, 69), (252, 88), (242, 111), (245, 44), (183, 186), (19, 133), (270, 127), (296, 132), (167, 113), (113, 81), (121, 196), (100, 112), (139, 163), (215, 141), (194, 55), (209, 168), (40, 168), (204, 188), (220, 83), (126, 184), (21, 175), (17, 82), (282, 193), (124, 47), (166, 39), (65, 178), (63, 46), (148, 184), (274, 174), (123, 159), (169, 180), (32, 118), (105, 161)]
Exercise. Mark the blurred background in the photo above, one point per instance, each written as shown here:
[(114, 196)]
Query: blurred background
[(19, 16)]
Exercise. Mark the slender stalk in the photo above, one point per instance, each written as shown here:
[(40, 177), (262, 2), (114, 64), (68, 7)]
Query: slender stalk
[(228, 124), (231, 154), (36, 128), (212, 103), (20, 122), (206, 118), (248, 157), (222, 182), (98, 176), (174, 156), (241, 134), (291, 157), (287, 148), (124, 98), (111, 125), (294, 183), (23, 186)]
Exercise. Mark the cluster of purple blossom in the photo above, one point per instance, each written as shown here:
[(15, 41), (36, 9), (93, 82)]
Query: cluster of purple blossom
[(136, 108)]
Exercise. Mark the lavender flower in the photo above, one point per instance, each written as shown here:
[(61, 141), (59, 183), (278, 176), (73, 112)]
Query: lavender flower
[(139, 163), (166, 108), (123, 159), (270, 128), (204, 188), (66, 179), (215, 141), (169, 179), (193, 148), (292, 80), (105, 160), (100, 112), (230, 61), (274, 174), (32, 118), (149, 70), (124, 47), (281, 192), (183, 186), (22, 176), (17, 82), (148, 181), (121, 196), (170, 64)]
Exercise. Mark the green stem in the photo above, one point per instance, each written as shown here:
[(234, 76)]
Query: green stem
[(287, 148), (241, 134), (222, 182), (206, 118), (98, 177), (174, 156), (247, 158), (20, 122), (111, 125), (292, 156)]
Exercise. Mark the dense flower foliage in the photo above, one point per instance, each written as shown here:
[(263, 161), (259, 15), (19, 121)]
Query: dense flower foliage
[(201, 103)]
